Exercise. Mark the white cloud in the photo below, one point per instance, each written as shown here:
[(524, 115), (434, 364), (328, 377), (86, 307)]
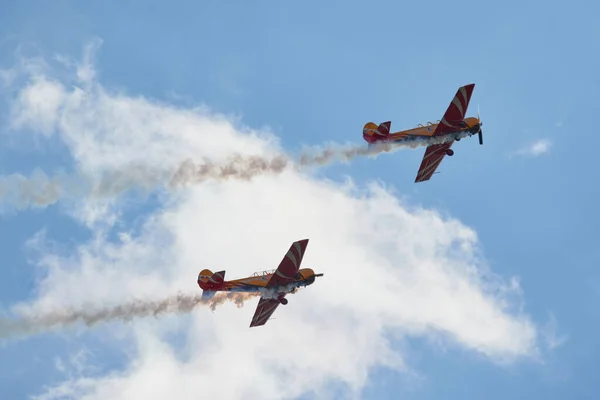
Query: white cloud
[(390, 272), (536, 148), (38, 105)]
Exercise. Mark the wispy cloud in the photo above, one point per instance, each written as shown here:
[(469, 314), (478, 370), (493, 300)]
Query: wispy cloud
[(550, 333), (535, 149)]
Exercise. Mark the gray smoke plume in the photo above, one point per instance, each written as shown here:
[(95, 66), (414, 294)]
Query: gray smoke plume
[(33, 322), (41, 190), (36, 190), (238, 168)]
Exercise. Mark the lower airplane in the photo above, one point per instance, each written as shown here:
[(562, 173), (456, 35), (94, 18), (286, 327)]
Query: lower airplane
[(273, 285), (453, 124)]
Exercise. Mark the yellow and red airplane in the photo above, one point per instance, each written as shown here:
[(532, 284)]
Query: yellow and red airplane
[(453, 126), (272, 285)]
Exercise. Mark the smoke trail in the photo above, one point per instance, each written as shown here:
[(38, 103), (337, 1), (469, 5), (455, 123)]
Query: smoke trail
[(247, 168), (178, 304), (41, 190), (238, 167), (38, 190)]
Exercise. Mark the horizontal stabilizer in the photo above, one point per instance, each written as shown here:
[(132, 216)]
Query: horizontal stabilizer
[(372, 129), (206, 275)]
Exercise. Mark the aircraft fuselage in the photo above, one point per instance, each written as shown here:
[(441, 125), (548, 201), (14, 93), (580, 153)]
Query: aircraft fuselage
[(470, 126), (257, 282)]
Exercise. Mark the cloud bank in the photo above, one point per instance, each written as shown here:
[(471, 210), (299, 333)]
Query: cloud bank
[(392, 270)]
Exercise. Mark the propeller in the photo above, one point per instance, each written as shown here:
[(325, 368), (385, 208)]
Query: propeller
[(480, 133)]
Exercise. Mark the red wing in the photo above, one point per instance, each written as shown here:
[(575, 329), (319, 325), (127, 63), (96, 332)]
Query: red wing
[(264, 310), (288, 267), (456, 110), (432, 158)]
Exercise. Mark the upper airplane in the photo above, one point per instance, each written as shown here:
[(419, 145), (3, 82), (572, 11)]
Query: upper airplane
[(272, 285), (453, 125)]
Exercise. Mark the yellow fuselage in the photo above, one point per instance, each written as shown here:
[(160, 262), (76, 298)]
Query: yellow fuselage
[(306, 276), (373, 133), (428, 130)]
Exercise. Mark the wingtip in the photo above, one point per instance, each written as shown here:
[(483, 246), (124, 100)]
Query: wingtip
[(468, 87)]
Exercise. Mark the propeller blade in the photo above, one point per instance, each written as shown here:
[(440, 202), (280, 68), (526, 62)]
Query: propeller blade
[(480, 136)]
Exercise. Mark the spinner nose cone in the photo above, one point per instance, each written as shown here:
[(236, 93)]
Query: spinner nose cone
[(309, 276)]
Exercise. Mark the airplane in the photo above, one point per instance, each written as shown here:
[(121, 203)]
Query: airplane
[(453, 124), (273, 285)]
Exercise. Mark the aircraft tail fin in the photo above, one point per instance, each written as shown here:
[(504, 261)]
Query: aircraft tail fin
[(384, 128), (371, 129), (207, 278)]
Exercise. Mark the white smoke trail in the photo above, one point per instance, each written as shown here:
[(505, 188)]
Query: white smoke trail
[(41, 190), (36, 190), (238, 167), (37, 322)]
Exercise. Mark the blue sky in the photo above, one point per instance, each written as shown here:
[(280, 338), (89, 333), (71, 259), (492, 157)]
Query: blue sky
[(315, 72)]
